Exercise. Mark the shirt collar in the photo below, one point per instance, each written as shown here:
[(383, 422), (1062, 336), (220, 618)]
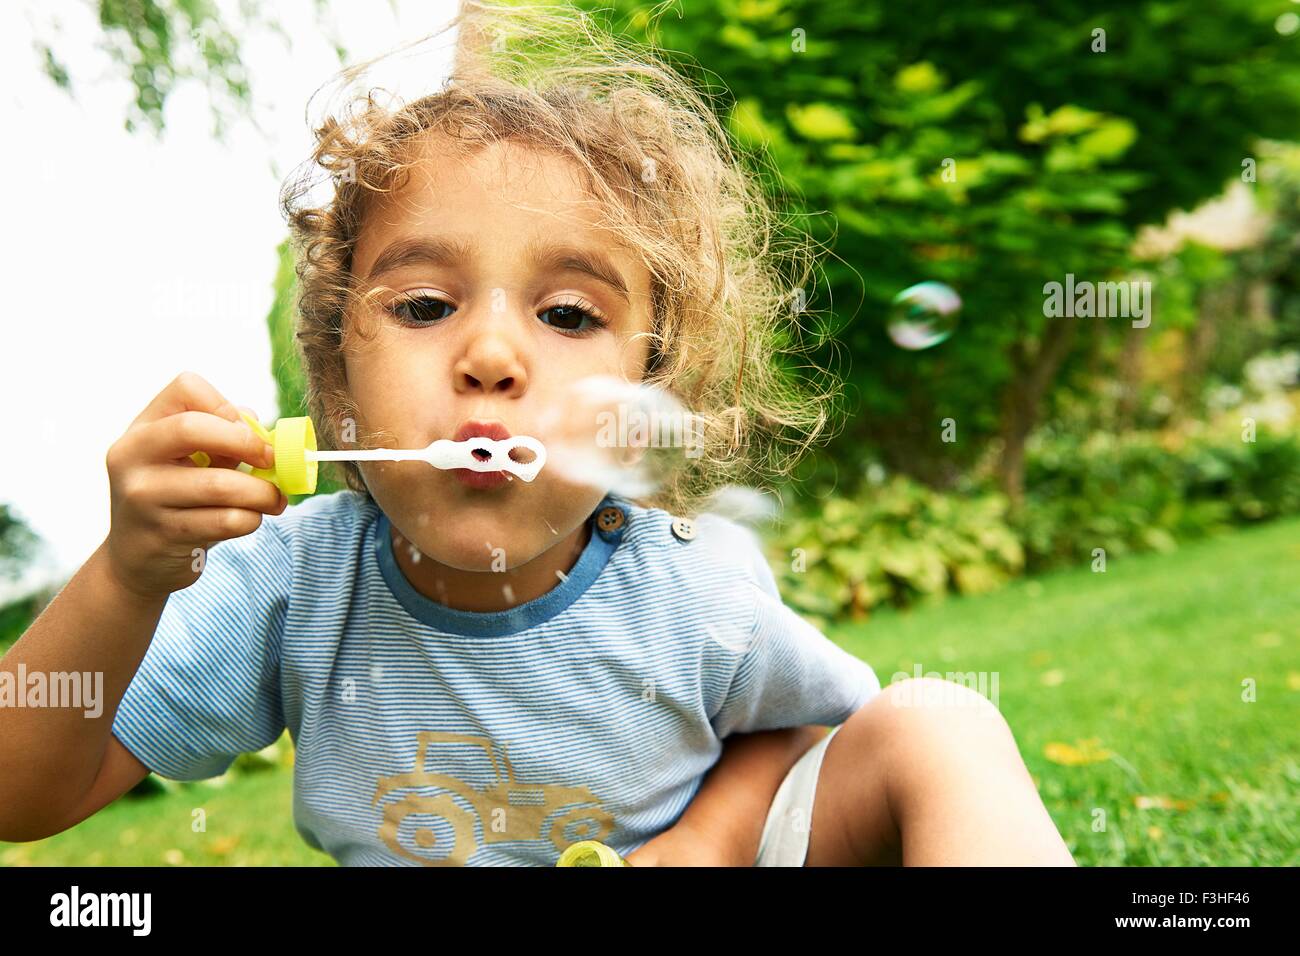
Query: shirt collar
[(605, 537)]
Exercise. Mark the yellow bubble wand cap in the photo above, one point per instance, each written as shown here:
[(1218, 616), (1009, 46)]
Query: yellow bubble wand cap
[(590, 853), (292, 472)]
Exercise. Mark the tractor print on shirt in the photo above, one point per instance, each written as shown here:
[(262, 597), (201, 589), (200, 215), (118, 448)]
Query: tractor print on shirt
[(506, 810)]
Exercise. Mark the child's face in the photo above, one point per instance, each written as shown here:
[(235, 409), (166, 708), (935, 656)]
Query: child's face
[(506, 341)]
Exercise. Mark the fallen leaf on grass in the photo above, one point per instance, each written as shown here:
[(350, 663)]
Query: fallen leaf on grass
[(1161, 803), (1069, 755), (223, 845)]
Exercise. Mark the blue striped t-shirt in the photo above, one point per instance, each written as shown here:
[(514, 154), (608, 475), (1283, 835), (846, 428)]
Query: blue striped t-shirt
[(426, 734)]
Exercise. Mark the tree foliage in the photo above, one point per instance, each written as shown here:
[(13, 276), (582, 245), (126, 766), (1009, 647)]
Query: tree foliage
[(158, 44), (994, 147)]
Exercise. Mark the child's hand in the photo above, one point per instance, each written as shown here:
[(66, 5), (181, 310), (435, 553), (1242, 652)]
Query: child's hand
[(164, 507), (683, 845)]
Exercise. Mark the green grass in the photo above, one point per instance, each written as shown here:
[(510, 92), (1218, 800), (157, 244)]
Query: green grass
[(1148, 659), (247, 821)]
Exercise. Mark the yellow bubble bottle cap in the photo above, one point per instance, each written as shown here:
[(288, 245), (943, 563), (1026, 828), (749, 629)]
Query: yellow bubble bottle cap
[(590, 853), (293, 471), (297, 458)]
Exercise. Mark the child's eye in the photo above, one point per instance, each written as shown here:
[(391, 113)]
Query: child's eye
[(569, 316), (418, 310), (422, 310)]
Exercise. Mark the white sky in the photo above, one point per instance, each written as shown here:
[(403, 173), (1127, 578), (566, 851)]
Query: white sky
[(129, 259)]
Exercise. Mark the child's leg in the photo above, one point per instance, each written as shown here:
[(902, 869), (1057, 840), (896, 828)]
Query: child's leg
[(929, 783)]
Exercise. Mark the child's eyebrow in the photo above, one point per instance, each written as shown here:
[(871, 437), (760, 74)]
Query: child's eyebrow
[(439, 250)]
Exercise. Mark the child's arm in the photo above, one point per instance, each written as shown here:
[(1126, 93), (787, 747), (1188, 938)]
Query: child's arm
[(59, 764), (724, 823), (51, 756)]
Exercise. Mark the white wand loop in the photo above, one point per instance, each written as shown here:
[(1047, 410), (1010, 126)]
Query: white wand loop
[(446, 454)]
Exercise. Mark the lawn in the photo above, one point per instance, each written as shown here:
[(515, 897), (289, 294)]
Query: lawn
[(247, 820), (1125, 693), (1128, 692)]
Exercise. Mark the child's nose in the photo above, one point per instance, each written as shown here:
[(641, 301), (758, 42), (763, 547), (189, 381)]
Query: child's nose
[(492, 361)]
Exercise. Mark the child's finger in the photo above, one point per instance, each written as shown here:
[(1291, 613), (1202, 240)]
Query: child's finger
[(180, 435), (181, 488), (214, 461), (212, 524), (188, 392)]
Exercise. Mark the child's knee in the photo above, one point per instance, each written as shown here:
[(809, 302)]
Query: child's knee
[(925, 711)]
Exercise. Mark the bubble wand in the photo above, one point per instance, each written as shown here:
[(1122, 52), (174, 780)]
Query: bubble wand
[(296, 455)]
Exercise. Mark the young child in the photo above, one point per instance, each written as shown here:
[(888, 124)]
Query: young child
[(481, 671)]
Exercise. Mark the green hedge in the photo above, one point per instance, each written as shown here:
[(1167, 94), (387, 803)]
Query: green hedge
[(1141, 493), (898, 542), (894, 543)]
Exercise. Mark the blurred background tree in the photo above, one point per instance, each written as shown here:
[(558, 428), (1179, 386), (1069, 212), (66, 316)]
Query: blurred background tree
[(158, 44), (1062, 129)]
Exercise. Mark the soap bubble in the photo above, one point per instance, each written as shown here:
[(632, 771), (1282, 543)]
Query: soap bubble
[(629, 438), (923, 315), (748, 506)]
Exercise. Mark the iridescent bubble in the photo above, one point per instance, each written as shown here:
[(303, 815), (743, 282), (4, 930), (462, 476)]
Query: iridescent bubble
[(923, 315)]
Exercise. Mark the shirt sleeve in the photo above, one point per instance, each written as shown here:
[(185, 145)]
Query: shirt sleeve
[(790, 674), (208, 687)]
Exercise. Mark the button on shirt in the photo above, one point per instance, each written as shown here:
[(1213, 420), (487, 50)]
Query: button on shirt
[(426, 735)]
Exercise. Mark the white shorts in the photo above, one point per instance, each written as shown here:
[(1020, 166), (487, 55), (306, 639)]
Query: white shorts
[(789, 820)]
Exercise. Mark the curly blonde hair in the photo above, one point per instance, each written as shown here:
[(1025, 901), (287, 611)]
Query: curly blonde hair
[(723, 271)]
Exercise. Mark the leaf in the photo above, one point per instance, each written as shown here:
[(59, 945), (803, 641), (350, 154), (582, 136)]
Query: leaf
[(820, 122), (920, 77), (1161, 803), (1110, 140), (222, 846), (1086, 752), (1064, 121), (740, 38), (748, 124), (977, 578)]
